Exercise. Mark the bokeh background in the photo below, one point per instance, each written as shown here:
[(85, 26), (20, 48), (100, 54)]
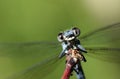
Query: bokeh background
[(28, 21)]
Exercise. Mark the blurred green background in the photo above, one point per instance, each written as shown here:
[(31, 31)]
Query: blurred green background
[(41, 20)]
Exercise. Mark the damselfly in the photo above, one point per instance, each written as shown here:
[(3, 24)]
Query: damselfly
[(39, 60)]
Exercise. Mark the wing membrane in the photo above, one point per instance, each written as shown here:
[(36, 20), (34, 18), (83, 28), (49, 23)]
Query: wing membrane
[(105, 36), (25, 49), (24, 56), (104, 43), (105, 54), (40, 70)]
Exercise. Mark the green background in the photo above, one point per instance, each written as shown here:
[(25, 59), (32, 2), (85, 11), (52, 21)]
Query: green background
[(24, 21)]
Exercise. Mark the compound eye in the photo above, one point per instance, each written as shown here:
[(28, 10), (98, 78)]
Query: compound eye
[(60, 37), (76, 31)]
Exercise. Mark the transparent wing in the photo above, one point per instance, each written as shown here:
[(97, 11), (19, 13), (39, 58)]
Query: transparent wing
[(26, 49), (105, 54), (28, 60), (40, 70), (104, 43)]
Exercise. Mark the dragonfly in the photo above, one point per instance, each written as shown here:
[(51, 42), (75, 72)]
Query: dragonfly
[(38, 60)]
